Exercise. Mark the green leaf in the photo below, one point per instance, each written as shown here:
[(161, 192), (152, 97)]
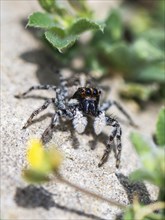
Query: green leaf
[(160, 127), (118, 55), (33, 176), (129, 213), (146, 52), (40, 20), (114, 26), (52, 6), (138, 91), (83, 24), (81, 8), (146, 150), (58, 38), (48, 5), (140, 21), (78, 5), (141, 175), (152, 158), (153, 72), (141, 145), (155, 36)]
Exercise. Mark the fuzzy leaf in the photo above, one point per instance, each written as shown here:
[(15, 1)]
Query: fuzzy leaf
[(141, 175), (78, 5), (138, 91), (146, 52), (41, 20), (83, 24), (114, 26), (52, 6), (118, 55), (155, 36), (152, 73), (141, 145), (58, 38), (33, 176), (128, 214), (48, 5), (152, 158), (160, 128)]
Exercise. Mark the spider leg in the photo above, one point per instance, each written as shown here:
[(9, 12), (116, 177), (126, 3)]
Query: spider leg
[(119, 147), (39, 87), (55, 122), (36, 112), (106, 105), (74, 139), (49, 129), (116, 133)]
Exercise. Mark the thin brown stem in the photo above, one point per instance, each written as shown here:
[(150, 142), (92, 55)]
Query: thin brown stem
[(89, 193)]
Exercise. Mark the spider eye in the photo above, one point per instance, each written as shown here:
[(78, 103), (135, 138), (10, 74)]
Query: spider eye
[(94, 91), (99, 92), (88, 91)]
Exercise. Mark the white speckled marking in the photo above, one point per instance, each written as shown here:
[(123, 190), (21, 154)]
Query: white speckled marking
[(72, 102), (79, 122), (99, 123)]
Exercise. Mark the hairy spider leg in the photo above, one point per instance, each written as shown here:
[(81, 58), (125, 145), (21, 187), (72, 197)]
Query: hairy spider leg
[(116, 133), (49, 129), (119, 147), (39, 87), (37, 111), (106, 105), (56, 121)]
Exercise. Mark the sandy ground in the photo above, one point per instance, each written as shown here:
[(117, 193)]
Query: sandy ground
[(25, 63)]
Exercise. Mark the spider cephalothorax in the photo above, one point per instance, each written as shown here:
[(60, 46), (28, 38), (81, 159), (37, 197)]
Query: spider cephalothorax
[(78, 107), (88, 100)]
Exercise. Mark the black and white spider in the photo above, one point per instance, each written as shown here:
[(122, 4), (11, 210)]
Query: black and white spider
[(83, 104)]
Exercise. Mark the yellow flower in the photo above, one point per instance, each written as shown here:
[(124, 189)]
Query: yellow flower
[(55, 158), (35, 154), (43, 160)]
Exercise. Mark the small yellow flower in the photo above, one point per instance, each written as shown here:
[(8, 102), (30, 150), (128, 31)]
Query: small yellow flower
[(43, 160), (55, 158), (35, 154)]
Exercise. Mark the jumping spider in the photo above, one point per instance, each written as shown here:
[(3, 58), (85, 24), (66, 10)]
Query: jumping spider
[(78, 108)]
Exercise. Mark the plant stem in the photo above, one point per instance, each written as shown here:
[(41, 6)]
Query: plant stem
[(161, 196), (149, 209), (89, 193)]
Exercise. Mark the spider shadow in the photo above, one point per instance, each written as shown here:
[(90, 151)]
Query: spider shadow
[(89, 131), (46, 60), (133, 188), (41, 118), (67, 126), (47, 70), (32, 197), (48, 66)]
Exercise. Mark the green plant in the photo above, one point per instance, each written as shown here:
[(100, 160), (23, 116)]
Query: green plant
[(63, 25), (152, 170), (134, 48)]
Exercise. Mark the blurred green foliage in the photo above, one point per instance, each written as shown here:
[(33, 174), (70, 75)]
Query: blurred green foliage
[(61, 25), (133, 42), (138, 92), (160, 128), (152, 170)]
